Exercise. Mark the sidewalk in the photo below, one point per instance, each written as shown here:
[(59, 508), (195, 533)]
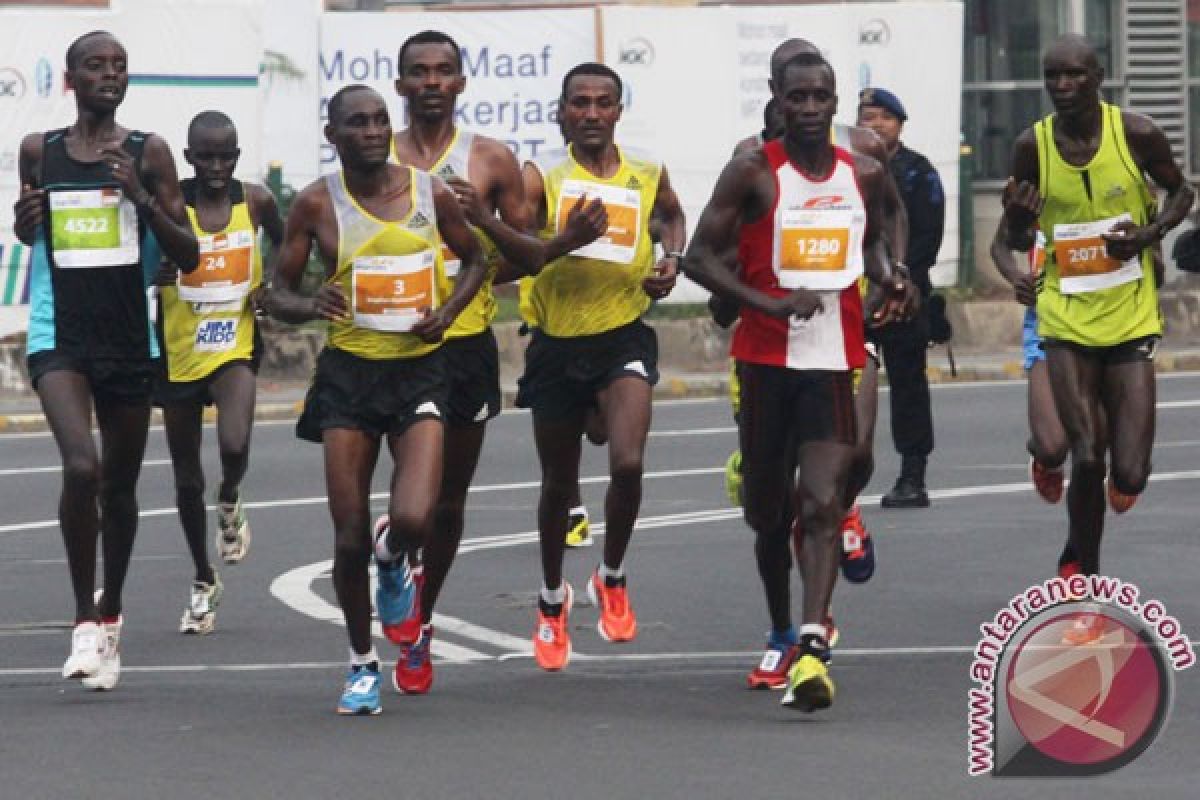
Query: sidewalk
[(283, 399)]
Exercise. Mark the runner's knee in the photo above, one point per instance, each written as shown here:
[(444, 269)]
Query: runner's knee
[(81, 473)]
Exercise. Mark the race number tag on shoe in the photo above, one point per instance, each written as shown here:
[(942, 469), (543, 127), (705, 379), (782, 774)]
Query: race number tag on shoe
[(619, 243), (1083, 263), (223, 274), (770, 660), (92, 228), (390, 291), (216, 335), (814, 248)]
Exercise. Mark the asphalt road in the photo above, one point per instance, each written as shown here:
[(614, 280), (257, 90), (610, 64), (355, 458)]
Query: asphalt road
[(248, 711)]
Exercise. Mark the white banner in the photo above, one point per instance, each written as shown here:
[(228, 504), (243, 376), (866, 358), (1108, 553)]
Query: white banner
[(514, 62), (692, 104), (184, 57)]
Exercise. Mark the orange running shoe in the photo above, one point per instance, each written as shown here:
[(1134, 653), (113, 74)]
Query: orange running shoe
[(858, 551), (1086, 629), (551, 641), (1119, 501), (1047, 481), (617, 622)]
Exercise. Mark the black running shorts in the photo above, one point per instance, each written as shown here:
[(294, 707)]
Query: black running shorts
[(783, 408), (472, 379), (563, 374), (1142, 348), (377, 396), (116, 381)]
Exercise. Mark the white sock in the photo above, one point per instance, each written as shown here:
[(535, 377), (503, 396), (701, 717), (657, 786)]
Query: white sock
[(578, 511), (814, 629), (554, 597), (606, 572), (363, 659), (382, 554)]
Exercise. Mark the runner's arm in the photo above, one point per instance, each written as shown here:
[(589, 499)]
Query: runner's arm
[(266, 216), (284, 301), (162, 207), (1152, 151), (711, 259), (1023, 204), (510, 228), (30, 209), (458, 236), (672, 231)]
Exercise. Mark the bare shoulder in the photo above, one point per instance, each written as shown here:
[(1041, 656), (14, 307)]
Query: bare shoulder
[(312, 201)]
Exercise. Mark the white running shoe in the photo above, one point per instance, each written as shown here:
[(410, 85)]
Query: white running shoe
[(87, 647), (233, 531), (201, 614), (105, 679)]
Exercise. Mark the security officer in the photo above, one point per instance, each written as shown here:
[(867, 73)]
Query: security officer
[(904, 343)]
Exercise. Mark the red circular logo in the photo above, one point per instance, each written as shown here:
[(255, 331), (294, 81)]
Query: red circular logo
[(1086, 689)]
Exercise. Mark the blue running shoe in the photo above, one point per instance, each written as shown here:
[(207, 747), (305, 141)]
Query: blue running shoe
[(360, 696), (394, 597)]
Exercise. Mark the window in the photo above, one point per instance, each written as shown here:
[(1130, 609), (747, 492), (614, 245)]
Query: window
[(1193, 81), (1002, 70)]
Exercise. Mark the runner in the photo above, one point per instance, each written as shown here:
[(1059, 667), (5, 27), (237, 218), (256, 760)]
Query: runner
[(91, 196), (485, 176), (772, 129), (211, 348), (796, 347), (377, 228), (858, 548), (591, 347), (1080, 177)]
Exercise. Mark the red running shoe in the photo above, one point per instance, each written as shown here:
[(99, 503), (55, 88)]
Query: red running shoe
[(414, 670)]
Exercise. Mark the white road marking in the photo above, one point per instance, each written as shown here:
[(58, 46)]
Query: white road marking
[(322, 499), (152, 462)]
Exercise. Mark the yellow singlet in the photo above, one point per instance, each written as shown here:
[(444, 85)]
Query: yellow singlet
[(599, 287), (387, 269), (207, 317)]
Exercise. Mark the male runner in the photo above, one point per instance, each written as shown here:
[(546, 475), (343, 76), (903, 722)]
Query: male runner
[(772, 129), (377, 228), (485, 176), (796, 347), (211, 348), (591, 347), (1081, 178), (858, 548), (91, 196)]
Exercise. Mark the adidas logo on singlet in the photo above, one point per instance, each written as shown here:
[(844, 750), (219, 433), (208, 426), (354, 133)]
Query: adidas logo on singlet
[(446, 172), (633, 183), (419, 219)]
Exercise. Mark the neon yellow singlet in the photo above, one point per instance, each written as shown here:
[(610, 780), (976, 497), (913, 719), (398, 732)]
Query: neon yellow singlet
[(478, 315), (364, 241), (202, 335), (598, 287), (1109, 186)]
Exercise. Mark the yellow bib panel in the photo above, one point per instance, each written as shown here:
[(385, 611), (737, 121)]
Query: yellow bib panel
[(598, 287), (199, 337), (1087, 297), (387, 270)]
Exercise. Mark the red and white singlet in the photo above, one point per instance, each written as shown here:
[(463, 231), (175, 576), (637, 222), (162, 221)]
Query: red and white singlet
[(811, 238)]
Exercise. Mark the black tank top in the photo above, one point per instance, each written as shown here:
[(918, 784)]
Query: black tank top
[(99, 312)]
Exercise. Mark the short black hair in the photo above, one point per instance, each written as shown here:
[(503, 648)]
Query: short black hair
[(339, 98), (806, 60), (73, 49), (779, 57), (428, 37), (592, 68), (209, 120)]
